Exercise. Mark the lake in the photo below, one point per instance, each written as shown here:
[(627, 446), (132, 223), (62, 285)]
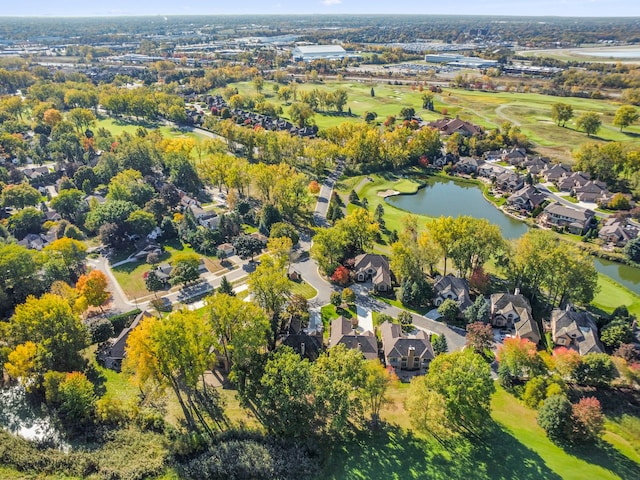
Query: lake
[(447, 197)]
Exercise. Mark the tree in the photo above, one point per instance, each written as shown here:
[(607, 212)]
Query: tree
[(561, 113), (555, 418), (72, 253), (535, 392), (335, 299), (348, 296), (175, 352), (439, 344), (407, 113), (19, 274), (625, 116), (185, 269), (479, 311), (377, 382), (479, 337), (449, 310), (460, 384), (93, 287), (632, 249), (589, 122), (20, 196), (518, 358), (239, 328), (77, 399), (588, 420), (340, 275), (226, 287), (28, 220), (270, 288), (616, 333), (595, 369), (247, 246), (301, 114), (406, 321), (373, 94), (68, 204), (49, 322), (565, 362), (81, 118), (22, 362)]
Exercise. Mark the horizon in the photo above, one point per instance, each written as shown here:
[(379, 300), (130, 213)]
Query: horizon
[(484, 8)]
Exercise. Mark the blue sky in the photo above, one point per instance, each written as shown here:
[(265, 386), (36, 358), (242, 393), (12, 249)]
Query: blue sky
[(590, 8)]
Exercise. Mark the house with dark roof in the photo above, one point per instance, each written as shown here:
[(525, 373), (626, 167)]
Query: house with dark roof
[(567, 182), (342, 333), (116, 348), (374, 267), (513, 311), (451, 288), (617, 231), (526, 199), (509, 181), (468, 165), (449, 126), (575, 330), (306, 345), (515, 156), (402, 352), (593, 191), (554, 171), (561, 216)]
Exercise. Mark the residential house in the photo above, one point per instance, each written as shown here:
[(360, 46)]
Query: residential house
[(515, 156), (513, 311), (37, 241), (451, 288), (536, 165), (468, 165), (566, 183), (374, 267), (526, 199), (491, 171), (447, 159), (402, 352), (509, 181), (187, 201), (342, 333), (449, 126), (260, 237), (575, 330), (553, 172), (226, 250), (617, 231), (206, 218), (306, 345), (558, 215), (115, 350), (493, 155), (593, 191)]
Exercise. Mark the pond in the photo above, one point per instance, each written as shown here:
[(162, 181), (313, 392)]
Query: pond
[(21, 417), (448, 197)]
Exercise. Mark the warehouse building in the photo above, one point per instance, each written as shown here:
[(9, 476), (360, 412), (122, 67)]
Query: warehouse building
[(309, 53)]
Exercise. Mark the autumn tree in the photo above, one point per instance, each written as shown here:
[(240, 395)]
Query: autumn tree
[(588, 420), (175, 352), (50, 323), (518, 358), (625, 116), (239, 328), (377, 382), (93, 287)]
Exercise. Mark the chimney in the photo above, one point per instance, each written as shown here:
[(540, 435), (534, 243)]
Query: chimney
[(411, 357), (516, 291), (359, 346), (302, 349)]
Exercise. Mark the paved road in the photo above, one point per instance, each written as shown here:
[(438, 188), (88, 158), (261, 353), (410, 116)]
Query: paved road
[(322, 205), (545, 191)]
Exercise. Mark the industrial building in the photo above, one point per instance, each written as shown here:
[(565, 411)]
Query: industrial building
[(309, 53), (457, 60)]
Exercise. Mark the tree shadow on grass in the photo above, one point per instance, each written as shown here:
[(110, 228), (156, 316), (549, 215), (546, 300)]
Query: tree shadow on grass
[(606, 456), (393, 453)]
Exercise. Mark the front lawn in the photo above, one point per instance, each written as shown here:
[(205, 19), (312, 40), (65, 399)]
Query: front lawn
[(303, 288), (611, 295)]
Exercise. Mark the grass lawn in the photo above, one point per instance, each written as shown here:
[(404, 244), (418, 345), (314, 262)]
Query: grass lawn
[(600, 462), (118, 126), (611, 295), (330, 312), (369, 190), (303, 288)]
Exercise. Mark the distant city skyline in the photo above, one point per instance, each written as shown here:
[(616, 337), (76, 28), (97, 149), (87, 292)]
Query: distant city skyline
[(565, 8)]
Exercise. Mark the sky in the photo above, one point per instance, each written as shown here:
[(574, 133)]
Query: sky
[(582, 8)]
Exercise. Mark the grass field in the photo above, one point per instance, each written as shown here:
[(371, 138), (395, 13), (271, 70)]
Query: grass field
[(611, 295), (530, 111), (303, 288), (516, 448), (118, 126)]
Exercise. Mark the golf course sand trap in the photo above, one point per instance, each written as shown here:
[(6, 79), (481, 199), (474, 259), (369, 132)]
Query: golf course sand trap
[(388, 193)]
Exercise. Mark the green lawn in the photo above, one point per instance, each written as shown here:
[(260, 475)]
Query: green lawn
[(119, 126), (330, 312), (611, 295), (303, 288)]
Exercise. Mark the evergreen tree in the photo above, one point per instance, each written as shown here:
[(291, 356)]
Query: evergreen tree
[(226, 287)]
